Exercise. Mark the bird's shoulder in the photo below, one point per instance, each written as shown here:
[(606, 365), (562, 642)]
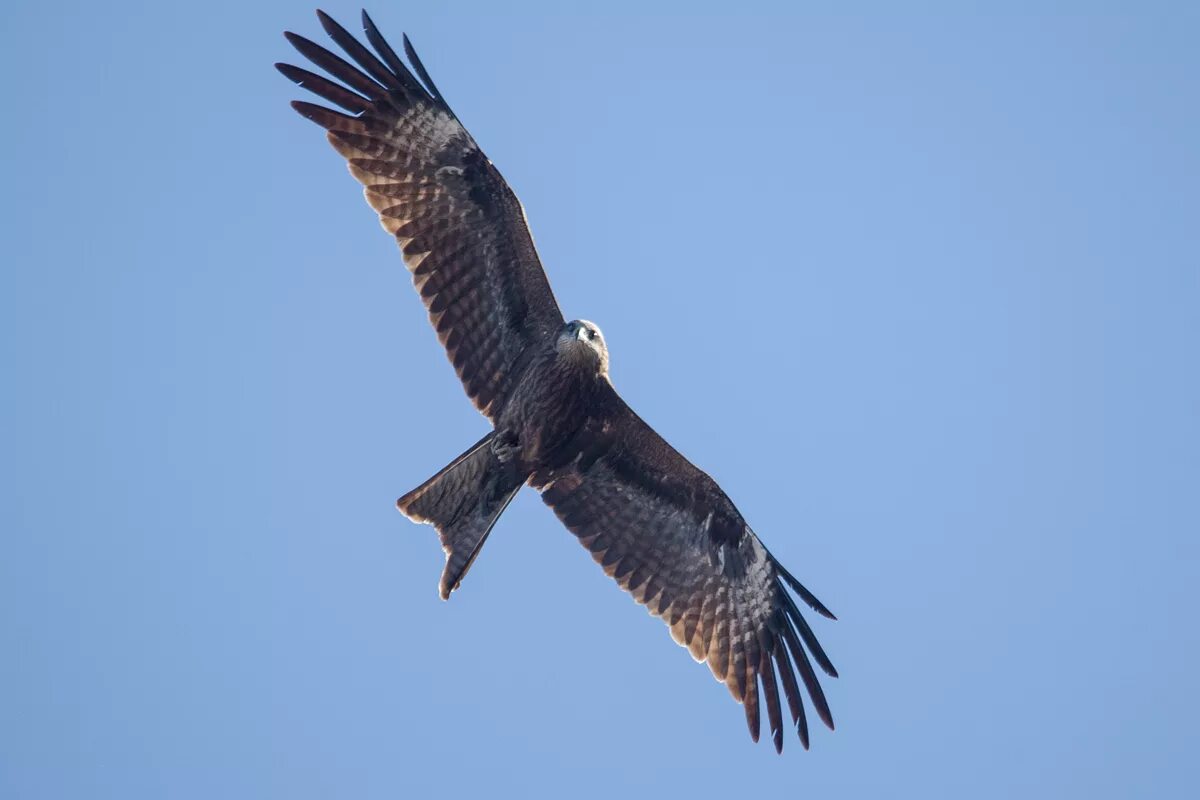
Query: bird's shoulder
[(615, 444)]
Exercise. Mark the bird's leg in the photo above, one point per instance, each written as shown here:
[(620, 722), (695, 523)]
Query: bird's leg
[(506, 446)]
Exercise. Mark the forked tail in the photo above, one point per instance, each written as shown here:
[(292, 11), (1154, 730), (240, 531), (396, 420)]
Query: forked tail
[(463, 502)]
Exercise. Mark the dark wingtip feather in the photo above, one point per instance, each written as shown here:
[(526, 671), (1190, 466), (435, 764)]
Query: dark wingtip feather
[(304, 109), (808, 597), (771, 694), (296, 40), (330, 25), (336, 66), (791, 691), (371, 31), (810, 638), (423, 73), (751, 704), (325, 117), (360, 54), (393, 61), (804, 666), (327, 89)]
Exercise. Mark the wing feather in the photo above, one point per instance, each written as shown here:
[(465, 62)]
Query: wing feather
[(671, 538), (326, 89), (771, 695), (792, 691), (361, 55), (461, 229)]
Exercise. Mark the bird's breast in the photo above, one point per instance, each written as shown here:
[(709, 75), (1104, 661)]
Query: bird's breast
[(546, 409)]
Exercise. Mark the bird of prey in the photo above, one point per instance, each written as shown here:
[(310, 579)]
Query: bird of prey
[(658, 525)]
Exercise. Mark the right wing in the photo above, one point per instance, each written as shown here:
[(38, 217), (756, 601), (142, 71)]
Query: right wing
[(668, 534), (461, 229)]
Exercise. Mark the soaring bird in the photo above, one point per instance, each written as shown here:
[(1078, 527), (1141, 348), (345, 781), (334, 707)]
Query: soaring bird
[(658, 525)]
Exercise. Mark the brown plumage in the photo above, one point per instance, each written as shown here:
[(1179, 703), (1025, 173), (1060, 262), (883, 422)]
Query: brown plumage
[(659, 526)]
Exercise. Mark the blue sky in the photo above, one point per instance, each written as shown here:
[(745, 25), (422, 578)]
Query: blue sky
[(920, 288)]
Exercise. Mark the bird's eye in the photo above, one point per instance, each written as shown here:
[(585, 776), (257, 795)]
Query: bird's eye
[(591, 334)]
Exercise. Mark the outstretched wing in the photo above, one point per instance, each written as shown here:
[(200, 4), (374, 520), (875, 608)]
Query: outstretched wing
[(460, 227), (671, 538)]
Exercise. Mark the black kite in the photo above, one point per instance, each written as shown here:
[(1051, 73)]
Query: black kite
[(659, 526)]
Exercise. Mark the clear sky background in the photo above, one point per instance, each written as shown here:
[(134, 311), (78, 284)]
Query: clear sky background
[(920, 288)]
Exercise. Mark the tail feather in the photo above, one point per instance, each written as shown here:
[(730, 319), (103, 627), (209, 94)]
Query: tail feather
[(427, 503), (463, 501)]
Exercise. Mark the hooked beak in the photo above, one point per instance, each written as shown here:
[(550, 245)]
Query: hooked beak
[(581, 334)]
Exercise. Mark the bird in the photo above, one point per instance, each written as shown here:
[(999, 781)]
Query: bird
[(658, 525)]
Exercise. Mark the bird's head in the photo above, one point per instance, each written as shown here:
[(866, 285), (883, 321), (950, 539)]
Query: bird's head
[(582, 342)]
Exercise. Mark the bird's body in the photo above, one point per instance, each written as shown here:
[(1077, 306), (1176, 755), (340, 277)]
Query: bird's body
[(661, 527), (553, 397)]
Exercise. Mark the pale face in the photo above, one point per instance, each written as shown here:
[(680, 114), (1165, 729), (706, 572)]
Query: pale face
[(580, 339)]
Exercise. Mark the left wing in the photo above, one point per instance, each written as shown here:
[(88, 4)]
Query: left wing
[(670, 537), (459, 226)]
